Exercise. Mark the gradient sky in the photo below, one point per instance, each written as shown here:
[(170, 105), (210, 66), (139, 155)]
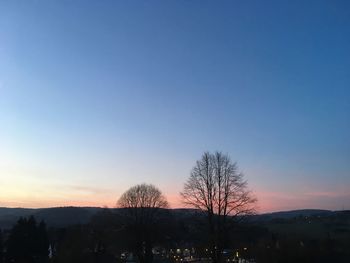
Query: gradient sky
[(96, 96)]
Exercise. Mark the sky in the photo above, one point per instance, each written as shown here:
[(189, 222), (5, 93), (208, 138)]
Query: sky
[(97, 96)]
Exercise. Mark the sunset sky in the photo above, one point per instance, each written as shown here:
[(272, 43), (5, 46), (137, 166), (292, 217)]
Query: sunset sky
[(97, 96)]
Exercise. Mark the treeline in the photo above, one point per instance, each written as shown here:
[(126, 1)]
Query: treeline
[(109, 237), (28, 241)]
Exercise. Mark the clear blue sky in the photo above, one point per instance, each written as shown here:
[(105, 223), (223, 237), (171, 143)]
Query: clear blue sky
[(96, 96)]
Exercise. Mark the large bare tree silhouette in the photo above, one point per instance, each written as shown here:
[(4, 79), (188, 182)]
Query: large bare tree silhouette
[(216, 187)]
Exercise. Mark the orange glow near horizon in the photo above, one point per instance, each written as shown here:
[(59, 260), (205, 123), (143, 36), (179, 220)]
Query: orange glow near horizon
[(267, 201), (174, 202)]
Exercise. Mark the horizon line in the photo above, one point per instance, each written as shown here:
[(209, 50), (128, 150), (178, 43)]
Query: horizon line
[(169, 208)]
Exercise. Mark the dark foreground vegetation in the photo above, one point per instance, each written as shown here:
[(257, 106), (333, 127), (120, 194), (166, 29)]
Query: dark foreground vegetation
[(177, 236)]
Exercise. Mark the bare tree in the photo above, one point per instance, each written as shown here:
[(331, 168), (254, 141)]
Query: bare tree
[(216, 187), (142, 204)]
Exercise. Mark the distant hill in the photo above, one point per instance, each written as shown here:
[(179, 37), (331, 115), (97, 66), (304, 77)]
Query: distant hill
[(57, 216), (292, 214), (10, 215), (63, 216)]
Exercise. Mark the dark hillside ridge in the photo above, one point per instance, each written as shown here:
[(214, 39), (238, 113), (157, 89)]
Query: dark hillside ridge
[(65, 216), (292, 214)]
